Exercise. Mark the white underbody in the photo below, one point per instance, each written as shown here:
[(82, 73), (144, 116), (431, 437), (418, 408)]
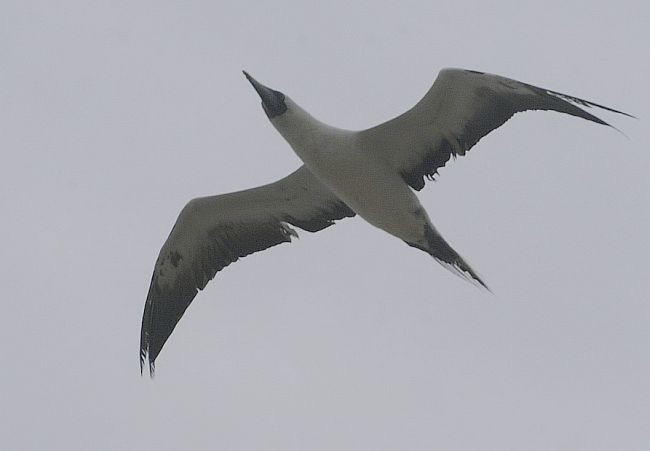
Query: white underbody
[(368, 186)]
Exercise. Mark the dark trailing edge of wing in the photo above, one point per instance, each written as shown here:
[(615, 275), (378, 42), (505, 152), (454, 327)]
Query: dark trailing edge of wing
[(337, 211), (495, 110)]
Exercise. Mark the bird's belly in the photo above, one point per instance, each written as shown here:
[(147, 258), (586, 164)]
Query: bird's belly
[(376, 194)]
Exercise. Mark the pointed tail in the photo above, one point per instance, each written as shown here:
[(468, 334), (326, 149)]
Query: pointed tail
[(444, 254)]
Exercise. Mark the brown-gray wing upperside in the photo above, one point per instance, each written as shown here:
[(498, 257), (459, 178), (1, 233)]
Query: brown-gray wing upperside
[(213, 232), (459, 109)]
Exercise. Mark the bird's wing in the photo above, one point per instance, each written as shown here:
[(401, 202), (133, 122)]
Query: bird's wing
[(212, 232), (461, 107)]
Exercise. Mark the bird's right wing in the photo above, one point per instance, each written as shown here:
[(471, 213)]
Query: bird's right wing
[(212, 232), (461, 107)]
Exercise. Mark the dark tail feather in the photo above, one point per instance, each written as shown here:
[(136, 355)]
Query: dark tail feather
[(439, 249)]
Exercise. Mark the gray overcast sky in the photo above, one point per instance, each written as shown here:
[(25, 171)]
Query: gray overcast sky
[(114, 114)]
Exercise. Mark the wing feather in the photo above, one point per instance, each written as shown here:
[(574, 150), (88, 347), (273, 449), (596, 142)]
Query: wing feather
[(213, 232), (461, 107)]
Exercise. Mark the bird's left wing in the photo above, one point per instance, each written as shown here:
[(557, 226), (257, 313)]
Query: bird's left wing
[(212, 232), (461, 107)]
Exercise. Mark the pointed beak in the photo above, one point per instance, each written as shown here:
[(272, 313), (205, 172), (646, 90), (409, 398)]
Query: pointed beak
[(272, 101), (265, 93)]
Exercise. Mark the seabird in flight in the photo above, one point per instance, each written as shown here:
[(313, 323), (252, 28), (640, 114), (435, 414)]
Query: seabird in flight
[(371, 173)]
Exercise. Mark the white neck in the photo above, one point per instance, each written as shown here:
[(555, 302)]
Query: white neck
[(307, 135)]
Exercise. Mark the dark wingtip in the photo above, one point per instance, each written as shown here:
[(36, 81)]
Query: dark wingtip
[(144, 356), (588, 104), (577, 103), (145, 344)]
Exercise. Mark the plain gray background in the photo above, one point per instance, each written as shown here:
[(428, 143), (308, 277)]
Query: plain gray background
[(114, 114)]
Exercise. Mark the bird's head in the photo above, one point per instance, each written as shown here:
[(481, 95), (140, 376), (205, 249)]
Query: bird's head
[(294, 123), (274, 102)]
